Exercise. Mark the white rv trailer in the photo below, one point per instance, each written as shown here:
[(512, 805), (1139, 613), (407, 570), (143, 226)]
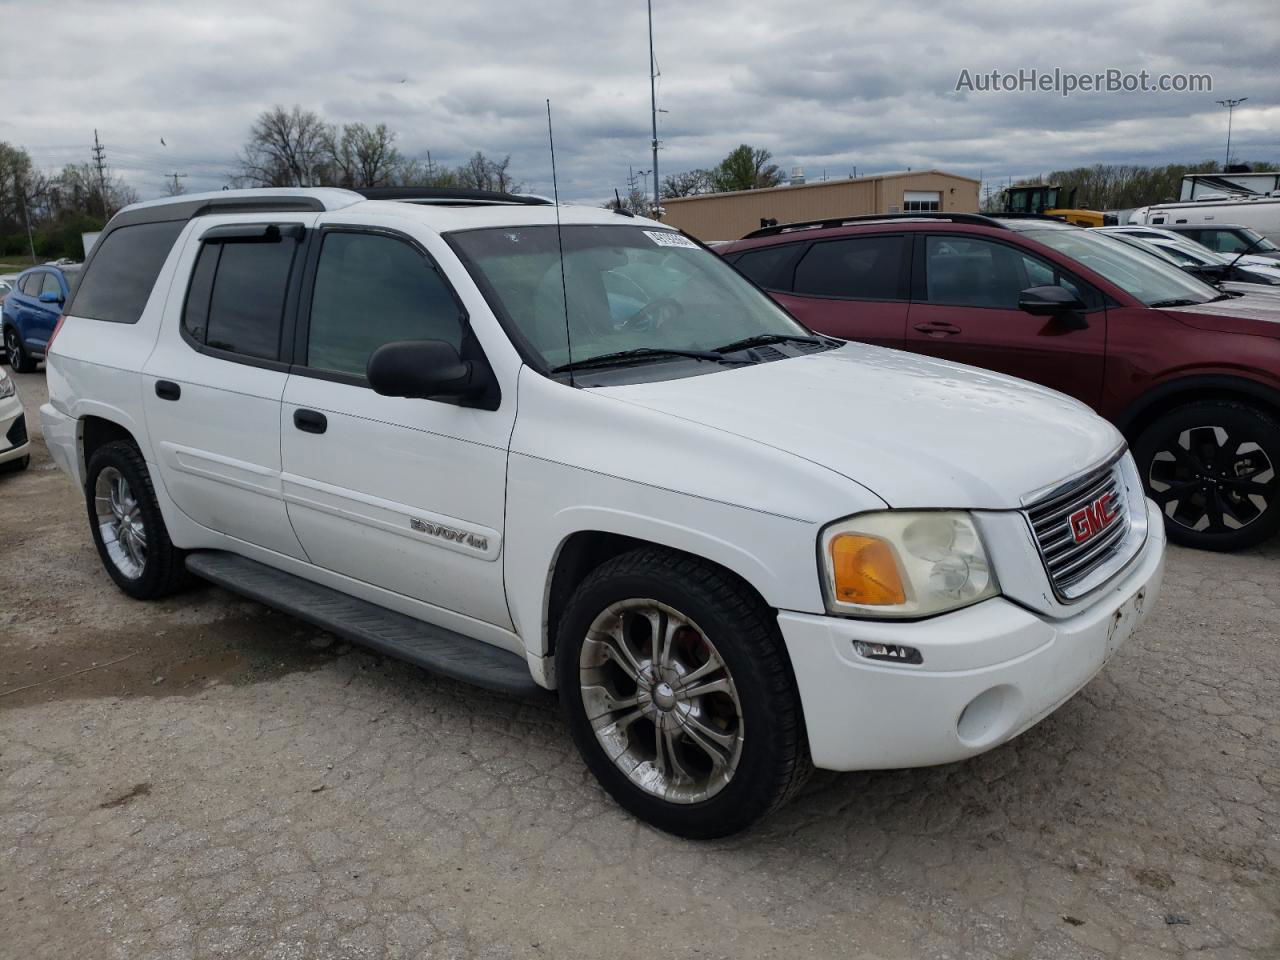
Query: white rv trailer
[(1260, 212)]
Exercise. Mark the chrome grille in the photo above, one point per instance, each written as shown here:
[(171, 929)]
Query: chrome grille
[(1067, 561)]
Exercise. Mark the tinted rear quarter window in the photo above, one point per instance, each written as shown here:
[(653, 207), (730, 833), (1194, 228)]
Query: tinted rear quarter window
[(118, 281), (857, 268)]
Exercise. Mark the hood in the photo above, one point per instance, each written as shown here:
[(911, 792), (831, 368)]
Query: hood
[(1254, 313), (916, 431)]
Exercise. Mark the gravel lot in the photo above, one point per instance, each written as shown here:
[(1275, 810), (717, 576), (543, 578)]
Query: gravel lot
[(202, 777)]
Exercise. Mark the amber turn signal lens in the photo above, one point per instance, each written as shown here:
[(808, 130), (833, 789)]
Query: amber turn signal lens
[(865, 571)]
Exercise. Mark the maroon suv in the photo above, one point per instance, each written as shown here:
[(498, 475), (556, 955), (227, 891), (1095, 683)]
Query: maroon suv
[(1189, 373)]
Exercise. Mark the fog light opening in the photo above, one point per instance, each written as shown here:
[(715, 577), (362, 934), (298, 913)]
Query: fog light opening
[(887, 652), (989, 716)]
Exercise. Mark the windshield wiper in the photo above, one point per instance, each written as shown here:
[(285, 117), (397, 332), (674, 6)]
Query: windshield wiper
[(1176, 302), (763, 339), (641, 354)]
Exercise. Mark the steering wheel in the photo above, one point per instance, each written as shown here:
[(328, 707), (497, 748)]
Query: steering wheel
[(653, 316)]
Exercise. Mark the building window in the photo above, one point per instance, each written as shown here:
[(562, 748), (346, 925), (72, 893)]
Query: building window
[(921, 201)]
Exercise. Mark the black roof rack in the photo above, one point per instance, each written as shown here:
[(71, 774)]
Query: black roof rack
[(447, 195), (976, 219)]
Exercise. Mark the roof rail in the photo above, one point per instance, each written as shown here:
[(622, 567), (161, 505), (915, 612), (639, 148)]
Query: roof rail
[(447, 195), (976, 219), (252, 200)]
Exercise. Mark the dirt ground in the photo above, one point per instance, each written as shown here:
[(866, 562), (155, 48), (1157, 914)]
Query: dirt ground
[(205, 778)]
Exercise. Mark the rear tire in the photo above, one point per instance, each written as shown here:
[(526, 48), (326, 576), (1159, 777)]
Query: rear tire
[(1213, 468), (19, 359), (128, 528), (703, 757)]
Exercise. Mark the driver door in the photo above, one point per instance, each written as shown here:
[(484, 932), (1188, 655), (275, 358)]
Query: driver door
[(965, 308), (404, 494)]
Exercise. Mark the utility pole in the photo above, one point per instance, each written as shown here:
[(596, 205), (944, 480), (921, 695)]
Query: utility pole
[(1231, 106), (653, 110), (22, 194), (99, 160), (177, 187)]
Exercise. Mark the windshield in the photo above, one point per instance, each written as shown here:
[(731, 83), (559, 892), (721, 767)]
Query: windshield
[(1254, 241), (1154, 282), (628, 288)]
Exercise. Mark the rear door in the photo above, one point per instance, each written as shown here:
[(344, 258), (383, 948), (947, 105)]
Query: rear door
[(212, 386), (854, 287), (965, 308)]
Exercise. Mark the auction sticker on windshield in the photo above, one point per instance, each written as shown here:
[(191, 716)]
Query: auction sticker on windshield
[(667, 238)]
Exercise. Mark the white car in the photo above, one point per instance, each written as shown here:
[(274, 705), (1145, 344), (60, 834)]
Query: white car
[(539, 447), (15, 446), (1257, 269)]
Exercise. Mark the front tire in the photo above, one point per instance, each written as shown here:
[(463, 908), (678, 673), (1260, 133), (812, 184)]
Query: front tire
[(128, 528), (679, 694), (1213, 467), (16, 466), (19, 359)]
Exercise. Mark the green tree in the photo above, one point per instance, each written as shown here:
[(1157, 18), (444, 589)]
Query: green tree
[(746, 168)]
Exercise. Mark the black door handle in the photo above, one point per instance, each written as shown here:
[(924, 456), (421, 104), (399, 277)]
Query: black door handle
[(309, 421), (168, 390)]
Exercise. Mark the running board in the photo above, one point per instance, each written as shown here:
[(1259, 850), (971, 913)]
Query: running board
[(422, 644)]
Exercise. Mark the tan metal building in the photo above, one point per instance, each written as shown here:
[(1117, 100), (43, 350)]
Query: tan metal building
[(727, 216)]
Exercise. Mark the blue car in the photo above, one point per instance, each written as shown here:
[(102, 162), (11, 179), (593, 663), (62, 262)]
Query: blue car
[(29, 314)]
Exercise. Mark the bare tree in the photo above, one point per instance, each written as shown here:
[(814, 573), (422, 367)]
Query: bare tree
[(687, 184), (481, 173), (286, 148), (363, 156)]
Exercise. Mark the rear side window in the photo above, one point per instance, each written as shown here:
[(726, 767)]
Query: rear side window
[(762, 267), (856, 268), (31, 284), (236, 298), (370, 290), (123, 270)]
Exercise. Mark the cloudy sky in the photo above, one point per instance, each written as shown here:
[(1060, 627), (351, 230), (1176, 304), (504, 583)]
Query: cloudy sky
[(826, 86)]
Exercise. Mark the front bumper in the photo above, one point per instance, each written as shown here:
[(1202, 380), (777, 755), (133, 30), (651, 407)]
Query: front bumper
[(61, 436), (989, 671), (14, 442)]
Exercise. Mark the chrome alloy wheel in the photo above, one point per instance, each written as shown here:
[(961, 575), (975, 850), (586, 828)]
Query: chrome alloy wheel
[(120, 522), (661, 701), (1210, 482)]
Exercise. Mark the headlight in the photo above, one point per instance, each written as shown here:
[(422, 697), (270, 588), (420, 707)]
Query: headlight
[(904, 563), (7, 386)]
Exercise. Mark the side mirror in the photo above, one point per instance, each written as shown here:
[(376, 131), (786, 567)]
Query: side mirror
[(51, 296), (423, 370), (1049, 301)]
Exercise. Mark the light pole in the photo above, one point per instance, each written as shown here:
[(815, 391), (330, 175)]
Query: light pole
[(653, 110), (1230, 105)]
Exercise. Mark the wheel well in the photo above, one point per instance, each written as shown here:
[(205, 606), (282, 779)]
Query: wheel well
[(1135, 423), (96, 431), (586, 550)]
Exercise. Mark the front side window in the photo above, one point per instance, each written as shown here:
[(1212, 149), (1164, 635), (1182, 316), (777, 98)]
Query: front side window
[(764, 266), (51, 285), (123, 270), (972, 272), (372, 289), (236, 298), (856, 268), (624, 288)]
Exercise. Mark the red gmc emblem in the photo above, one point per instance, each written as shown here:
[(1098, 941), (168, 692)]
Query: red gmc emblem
[(1090, 521)]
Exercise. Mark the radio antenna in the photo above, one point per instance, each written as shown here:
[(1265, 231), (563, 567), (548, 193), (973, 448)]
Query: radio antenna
[(564, 288)]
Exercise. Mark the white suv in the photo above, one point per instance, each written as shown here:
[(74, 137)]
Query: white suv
[(569, 449)]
